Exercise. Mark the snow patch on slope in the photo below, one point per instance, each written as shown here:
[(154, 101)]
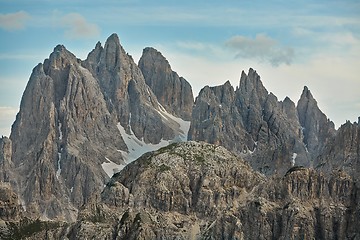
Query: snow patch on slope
[(110, 167), (60, 131), (137, 147), (179, 124)]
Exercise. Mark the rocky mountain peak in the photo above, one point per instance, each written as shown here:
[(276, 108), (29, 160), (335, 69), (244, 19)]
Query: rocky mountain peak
[(317, 129), (252, 122), (61, 56), (63, 125), (156, 56), (251, 82), (306, 92), (306, 95), (60, 48), (173, 92), (114, 38), (82, 121), (343, 151), (251, 87)]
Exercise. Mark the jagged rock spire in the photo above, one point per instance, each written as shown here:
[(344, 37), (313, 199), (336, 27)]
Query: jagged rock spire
[(173, 92), (317, 128)]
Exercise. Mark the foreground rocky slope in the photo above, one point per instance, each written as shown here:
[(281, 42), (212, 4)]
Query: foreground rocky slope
[(202, 191)]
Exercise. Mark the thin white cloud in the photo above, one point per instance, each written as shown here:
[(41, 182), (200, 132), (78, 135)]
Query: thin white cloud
[(14, 21), (261, 48), (7, 117), (205, 49), (77, 27)]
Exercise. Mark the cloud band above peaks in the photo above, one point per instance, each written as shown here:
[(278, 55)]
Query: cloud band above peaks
[(261, 48), (14, 21)]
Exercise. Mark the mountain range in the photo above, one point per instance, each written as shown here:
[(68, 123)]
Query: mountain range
[(89, 156)]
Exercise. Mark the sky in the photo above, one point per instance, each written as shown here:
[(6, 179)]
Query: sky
[(291, 44)]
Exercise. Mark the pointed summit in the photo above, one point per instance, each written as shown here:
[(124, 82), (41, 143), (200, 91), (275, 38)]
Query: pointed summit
[(113, 38), (307, 103), (62, 105), (252, 82), (60, 59), (61, 51), (317, 129), (173, 92), (306, 94), (59, 48), (113, 41)]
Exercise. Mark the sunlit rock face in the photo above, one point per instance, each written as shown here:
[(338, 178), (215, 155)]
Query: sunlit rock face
[(89, 157), (70, 129), (197, 190), (251, 122), (173, 92)]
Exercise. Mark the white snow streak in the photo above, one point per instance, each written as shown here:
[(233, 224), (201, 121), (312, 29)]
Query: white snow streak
[(251, 152), (60, 132), (58, 172), (293, 159), (183, 126)]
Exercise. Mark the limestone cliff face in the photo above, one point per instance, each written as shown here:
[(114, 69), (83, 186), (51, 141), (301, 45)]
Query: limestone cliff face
[(10, 207), (343, 152), (5, 159), (59, 135), (172, 91), (67, 127), (126, 93), (75, 115), (252, 122), (316, 127), (202, 191)]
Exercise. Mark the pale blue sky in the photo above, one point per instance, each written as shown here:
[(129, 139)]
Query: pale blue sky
[(289, 43)]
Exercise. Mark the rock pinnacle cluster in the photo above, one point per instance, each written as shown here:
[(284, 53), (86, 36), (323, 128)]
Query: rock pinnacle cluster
[(106, 148)]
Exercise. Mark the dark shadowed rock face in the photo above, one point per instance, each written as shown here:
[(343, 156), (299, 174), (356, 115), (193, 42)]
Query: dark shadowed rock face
[(173, 92), (250, 121), (201, 191)]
